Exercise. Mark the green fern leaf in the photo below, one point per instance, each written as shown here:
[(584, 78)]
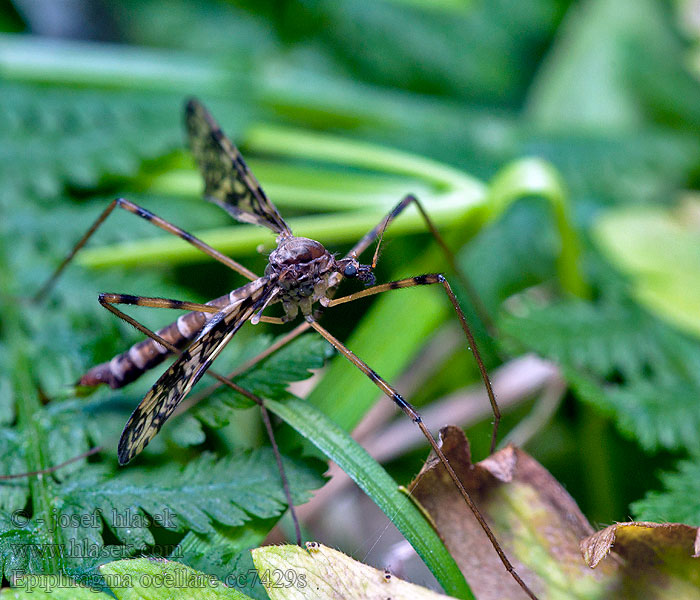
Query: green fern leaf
[(225, 553), (228, 490), (604, 169), (147, 573), (631, 366), (53, 136), (268, 379), (13, 492), (680, 500), (294, 362)]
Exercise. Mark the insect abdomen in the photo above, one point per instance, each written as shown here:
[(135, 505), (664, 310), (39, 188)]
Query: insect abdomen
[(130, 365)]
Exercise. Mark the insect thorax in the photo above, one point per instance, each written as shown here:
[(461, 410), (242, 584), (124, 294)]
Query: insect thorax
[(304, 266)]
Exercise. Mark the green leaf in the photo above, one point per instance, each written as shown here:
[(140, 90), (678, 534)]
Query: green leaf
[(679, 502), (50, 587), (291, 572), (654, 413), (188, 432), (13, 492), (159, 579), (224, 551), (22, 550), (76, 63), (584, 80), (598, 338), (294, 362), (604, 168), (534, 177), (228, 490), (421, 45), (622, 360), (268, 379), (54, 137), (668, 282)]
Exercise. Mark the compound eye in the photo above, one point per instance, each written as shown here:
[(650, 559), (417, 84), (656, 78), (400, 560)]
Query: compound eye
[(350, 271)]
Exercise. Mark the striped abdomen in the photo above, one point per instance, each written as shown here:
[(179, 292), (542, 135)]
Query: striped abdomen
[(130, 365)]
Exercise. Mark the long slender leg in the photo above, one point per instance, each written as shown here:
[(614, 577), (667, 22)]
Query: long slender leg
[(421, 280), (358, 249), (471, 292), (151, 218), (153, 302), (410, 411), (371, 235), (156, 302), (54, 468), (225, 381), (429, 279), (362, 245)]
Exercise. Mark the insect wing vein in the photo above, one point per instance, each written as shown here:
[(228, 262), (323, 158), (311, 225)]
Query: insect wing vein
[(228, 180), (178, 380)]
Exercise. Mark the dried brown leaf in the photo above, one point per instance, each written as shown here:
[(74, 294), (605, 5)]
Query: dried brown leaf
[(654, 560), (545, 535), (536, 521)]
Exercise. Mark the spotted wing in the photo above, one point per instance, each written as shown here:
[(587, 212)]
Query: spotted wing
[(178, 380), (228, 181)]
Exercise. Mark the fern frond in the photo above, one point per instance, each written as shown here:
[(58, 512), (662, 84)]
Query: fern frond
[(623, 360), (225, 552), (268, 379), (679, 502), (53, 136), (229, 490), (605, 169)]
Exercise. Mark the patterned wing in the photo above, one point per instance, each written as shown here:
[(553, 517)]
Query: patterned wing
[(228, 181), (178, 380)]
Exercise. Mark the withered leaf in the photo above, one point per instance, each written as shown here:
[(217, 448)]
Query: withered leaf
[(545, 535), (655, 560)]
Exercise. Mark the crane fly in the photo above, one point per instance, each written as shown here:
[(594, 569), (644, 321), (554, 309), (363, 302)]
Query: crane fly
[(300, 273)]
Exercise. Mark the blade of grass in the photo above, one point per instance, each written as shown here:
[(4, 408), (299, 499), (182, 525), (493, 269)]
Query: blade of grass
[(335, 443)]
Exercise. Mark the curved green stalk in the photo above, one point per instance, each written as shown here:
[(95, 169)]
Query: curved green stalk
[(240, 240), (535, 177), (299, 143), (70, 62), (453, 195)]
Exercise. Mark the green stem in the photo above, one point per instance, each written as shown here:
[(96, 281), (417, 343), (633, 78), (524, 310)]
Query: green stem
[(307, 188), (454, 195), (28, 406), (601, 489), (68, 62), (298, 143), (535, 177), (332, 229)]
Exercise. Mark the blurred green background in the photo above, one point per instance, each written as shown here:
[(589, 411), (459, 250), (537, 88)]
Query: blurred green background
[(340, 108)]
